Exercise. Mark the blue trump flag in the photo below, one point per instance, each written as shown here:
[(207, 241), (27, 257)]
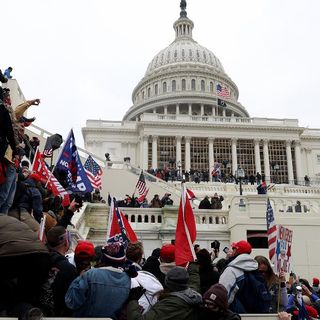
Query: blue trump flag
[(69, 161)]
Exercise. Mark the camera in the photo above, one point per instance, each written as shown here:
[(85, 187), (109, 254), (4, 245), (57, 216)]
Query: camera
[(215, 245)]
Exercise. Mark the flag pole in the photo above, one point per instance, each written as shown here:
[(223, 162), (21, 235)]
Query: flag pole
[(110, 217)]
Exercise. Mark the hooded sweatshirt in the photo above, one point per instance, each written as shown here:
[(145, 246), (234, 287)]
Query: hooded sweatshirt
[(235, 271)]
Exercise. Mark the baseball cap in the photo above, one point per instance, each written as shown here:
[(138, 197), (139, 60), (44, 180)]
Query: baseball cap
[(242, 247)]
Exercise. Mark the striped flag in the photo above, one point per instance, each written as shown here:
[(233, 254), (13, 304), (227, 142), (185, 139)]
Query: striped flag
[(94, 172), (141, 185), (272, 233), (222, 91)]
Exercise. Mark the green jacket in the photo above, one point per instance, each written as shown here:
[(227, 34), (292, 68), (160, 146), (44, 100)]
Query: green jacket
[(180, 305)]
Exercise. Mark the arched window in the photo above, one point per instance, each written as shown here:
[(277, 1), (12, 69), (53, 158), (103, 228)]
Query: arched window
[(210, 220), (193, 84), (139, 218), (164, 87), (203, 220), (156, 89), (127, 217), (174, 85), (153, 219), (149, 92), (142, 95), (202, 85), (146, 218), (183, 84), (217, 220), (159, 219), (133, 218), (211, 86)]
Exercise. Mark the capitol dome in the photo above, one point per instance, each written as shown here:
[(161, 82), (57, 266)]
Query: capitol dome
[(184, 73)]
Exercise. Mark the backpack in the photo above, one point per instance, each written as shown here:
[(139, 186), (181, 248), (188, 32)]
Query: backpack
[(253, 295)]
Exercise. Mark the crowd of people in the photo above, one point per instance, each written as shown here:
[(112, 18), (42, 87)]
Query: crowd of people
[(115, 280)]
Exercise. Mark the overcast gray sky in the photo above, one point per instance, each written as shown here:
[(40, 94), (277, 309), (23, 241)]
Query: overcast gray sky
[(84, 58)]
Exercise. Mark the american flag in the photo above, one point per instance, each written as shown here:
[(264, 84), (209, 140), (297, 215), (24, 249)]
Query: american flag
[(272, 232), (94, 172), (141, 185), (222, 91)]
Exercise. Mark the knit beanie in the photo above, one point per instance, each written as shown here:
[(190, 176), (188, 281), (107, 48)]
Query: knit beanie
[(113, 253), (218, 294), (177, 279)]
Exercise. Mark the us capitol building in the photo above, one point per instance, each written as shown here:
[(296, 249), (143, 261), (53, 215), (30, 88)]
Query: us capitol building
[(186, 110)]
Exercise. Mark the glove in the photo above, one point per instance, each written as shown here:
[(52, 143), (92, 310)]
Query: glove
[(136, 293)]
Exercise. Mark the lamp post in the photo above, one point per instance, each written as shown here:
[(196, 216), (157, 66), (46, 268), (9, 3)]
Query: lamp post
[(179, 170), (240, 175)]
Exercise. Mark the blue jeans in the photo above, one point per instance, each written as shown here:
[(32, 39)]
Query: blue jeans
[(8, 189)]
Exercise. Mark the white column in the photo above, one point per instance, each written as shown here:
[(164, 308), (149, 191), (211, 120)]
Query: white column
[(155, 152), (190, 109), (289, 162), (187, 155), (178, 148), (266, 160), (214, 110), (145, 153), (304, 161), (165, 110), (201, 109), (257, 159), (224, 111), (310, 163), (177, 109), (154, 110), (211, 156), (234, 155), (297, 154)]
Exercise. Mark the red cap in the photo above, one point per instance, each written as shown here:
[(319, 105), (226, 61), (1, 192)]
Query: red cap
[(242, 247), (86, 247), (315, 281), (167, 253)]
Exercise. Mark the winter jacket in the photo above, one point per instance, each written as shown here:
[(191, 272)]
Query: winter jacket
[(152, 285), (16, 238), (152, 265), (274, 289), (180, 305), (99, 292), (7, 136), (234, 272), (66, 274), (208, 277)]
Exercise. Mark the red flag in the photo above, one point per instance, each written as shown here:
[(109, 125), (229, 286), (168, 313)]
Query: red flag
[(191, 195), (120, 229), (185, 232), (54, 185)]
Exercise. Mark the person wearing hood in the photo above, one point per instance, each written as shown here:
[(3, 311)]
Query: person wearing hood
[(240, 264), (180, 302), (215, 305)]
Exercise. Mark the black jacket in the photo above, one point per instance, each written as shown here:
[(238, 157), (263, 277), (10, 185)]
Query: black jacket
[(6, 132), (66, 274)]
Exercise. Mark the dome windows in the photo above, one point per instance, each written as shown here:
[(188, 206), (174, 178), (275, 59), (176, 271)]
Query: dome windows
[(174, 85), (149, 92), (202, 85), (183, 84), (164, 87), (156, 89), (211, 86), (193, 84)]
